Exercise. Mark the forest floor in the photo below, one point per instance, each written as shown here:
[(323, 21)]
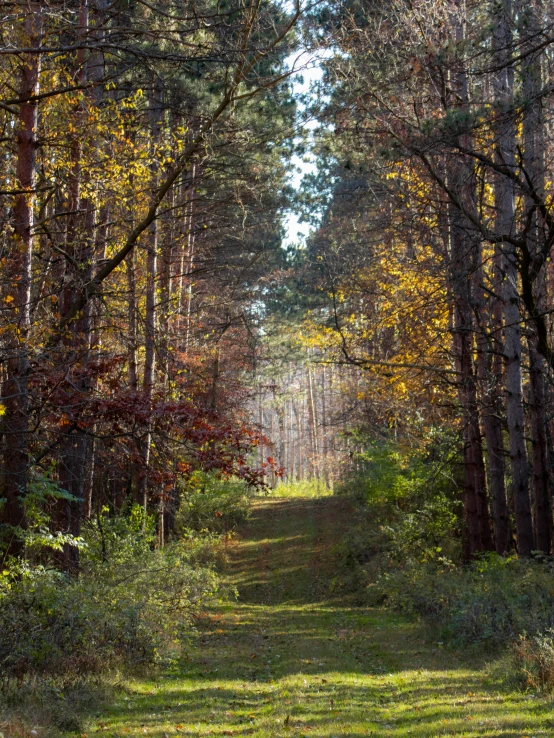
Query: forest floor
[(291, 658)]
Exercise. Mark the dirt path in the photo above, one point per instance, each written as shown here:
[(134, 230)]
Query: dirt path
[(291, 659)]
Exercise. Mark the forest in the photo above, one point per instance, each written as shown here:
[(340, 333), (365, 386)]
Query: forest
[(276, 368)]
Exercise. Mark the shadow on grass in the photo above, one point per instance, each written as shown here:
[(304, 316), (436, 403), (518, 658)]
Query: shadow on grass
[(327, 672), (288, 661), (331, 705)]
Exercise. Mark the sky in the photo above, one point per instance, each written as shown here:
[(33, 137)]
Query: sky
[(303, 83)]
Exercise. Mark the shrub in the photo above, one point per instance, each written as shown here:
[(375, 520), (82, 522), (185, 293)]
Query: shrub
[(533, 661), (489, 602), (403, 550), (209, 502), (407, 511), (131, 603), (392, 474), (39, 541)]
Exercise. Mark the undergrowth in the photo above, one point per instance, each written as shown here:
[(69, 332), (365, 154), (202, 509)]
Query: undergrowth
[(404, 551), (130, 605), (211, 503), (66, 639), (488, 603)]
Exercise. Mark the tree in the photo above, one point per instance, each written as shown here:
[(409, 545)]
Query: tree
[(138, 136), (437, 123)]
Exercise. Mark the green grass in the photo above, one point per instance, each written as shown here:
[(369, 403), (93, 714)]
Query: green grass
[(293, 658), (305, 488)]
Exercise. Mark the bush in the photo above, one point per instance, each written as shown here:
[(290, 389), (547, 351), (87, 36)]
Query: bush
[(487, 603), (406, 511), (131, 603), (533, 661), (37, 538), (404, 550), (209, 502)]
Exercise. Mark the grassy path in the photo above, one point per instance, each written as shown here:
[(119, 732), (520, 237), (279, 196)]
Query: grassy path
[(289, 659)]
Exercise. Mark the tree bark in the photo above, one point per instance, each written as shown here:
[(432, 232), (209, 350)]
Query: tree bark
[(464, 250), (504, 197), (132, 327), (537, 403), (488, 347), (18, 298), (534, 165), (166, 294), (149, 354), (475, 499), (150, 320), (76, 342)]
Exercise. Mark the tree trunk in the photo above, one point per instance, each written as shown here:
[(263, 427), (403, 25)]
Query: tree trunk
[(475, 501), (488, 347), (76, 342), (464, 248), (149, 353), (504, 197), (96, 350), (132, 326), (166, 293), (18, 294), (312, 423), (537, 402), (190, 254), (533, 161), (151, 310)]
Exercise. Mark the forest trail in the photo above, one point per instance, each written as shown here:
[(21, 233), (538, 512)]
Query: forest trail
[(291, 658)]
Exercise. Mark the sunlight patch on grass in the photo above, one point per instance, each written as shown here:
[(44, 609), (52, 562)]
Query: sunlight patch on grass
[(308, 488), (286, 662), (328, 704)]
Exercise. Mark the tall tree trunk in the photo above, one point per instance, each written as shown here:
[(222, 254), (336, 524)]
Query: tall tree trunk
[(166, 292), (312, 423), (77, 338), (504, 197), (150, 315), (464, 250), (132, 374), (149, 352), (151, 308), (529, 24), (189, 263), (96, 351), (488, 347), (474, 466), (324, 429), (537, 403), (18, 294)]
